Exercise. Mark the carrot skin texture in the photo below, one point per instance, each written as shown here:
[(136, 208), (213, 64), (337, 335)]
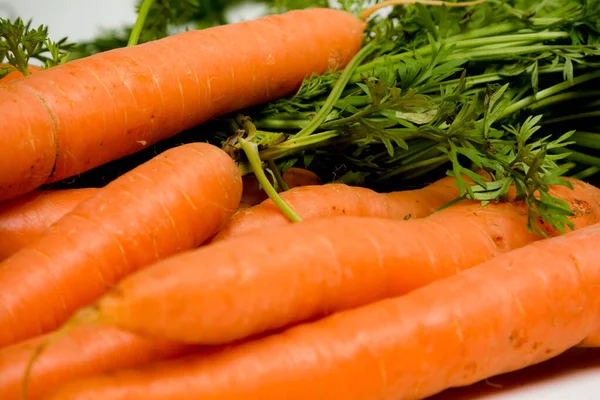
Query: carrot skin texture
[(169, 204), (337, 199), (84, 351), (214, 295), (23, 219), (146, 98), (516, 310)]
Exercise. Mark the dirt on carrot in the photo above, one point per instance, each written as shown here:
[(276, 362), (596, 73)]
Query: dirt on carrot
[(23, 219), (281, 276), (172, 203), (140, 99)]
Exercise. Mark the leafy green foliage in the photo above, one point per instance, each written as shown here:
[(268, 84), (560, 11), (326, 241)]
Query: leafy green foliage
[(20, 43)]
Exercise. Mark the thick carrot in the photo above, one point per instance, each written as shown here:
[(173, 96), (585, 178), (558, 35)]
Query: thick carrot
[(169, 204), (23, 219), (84, 352), (256, 283), (253, 194), (340, 199), (516, 310), (73, 117)]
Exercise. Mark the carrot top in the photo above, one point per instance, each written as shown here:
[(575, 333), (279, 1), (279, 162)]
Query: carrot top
[(19, 44)]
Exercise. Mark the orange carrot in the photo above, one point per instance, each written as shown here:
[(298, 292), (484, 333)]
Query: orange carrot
[(256, 283), (592, 341), (73, 117), (32, 69), (23, 219), (340, 199), (519, 309), (85, 351), (169, 204), (253, 194)]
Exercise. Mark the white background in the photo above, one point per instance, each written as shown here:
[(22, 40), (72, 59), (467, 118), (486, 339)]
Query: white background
[(575, 376)]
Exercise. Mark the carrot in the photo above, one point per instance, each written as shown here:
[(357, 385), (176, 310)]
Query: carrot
[(23, 219), (169, 204), (519, 309), (253, 194), (84, 352), (340, 199), (32, 69), (591, 341), (268, 280), (73, 117)]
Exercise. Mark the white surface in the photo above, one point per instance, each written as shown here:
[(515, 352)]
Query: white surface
[(573, 376)]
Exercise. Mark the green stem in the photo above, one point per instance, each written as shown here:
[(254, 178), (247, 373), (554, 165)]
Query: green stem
[(559, 98), (591, 140), (590, 114), (280, 181), (251, 150), (475, 38), (542, 94), (586, 173), (139, 23), (578, 157), (435, 160), (337, 90)]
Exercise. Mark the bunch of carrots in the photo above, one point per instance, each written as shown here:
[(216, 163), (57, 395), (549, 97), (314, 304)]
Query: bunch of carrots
[(186, 278)]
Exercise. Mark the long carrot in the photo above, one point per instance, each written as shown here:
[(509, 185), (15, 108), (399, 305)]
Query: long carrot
[(516, 310), (23, 219), (85, 351), (340, 199), (70, 118), (169, 204), (256, 283), (253, 194)]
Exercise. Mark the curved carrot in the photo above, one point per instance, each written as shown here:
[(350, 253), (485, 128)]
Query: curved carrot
[(84, 352), (337, 199), (253, 194), (256, 283), (23, 219), (81, 114), (511, 312), (169, 204)]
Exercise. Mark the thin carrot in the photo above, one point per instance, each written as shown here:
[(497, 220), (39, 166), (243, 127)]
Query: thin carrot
[(169, 204), (268, 280), (514, 311), (84, 352), (23, 219), (81, 114), (253, 194), (337, 199)]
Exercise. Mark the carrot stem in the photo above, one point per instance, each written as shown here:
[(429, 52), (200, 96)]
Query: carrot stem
[(371, 10), (251, 150), (280, 181), (586, 173), (337, 90), (139, 23), (542, 94)]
